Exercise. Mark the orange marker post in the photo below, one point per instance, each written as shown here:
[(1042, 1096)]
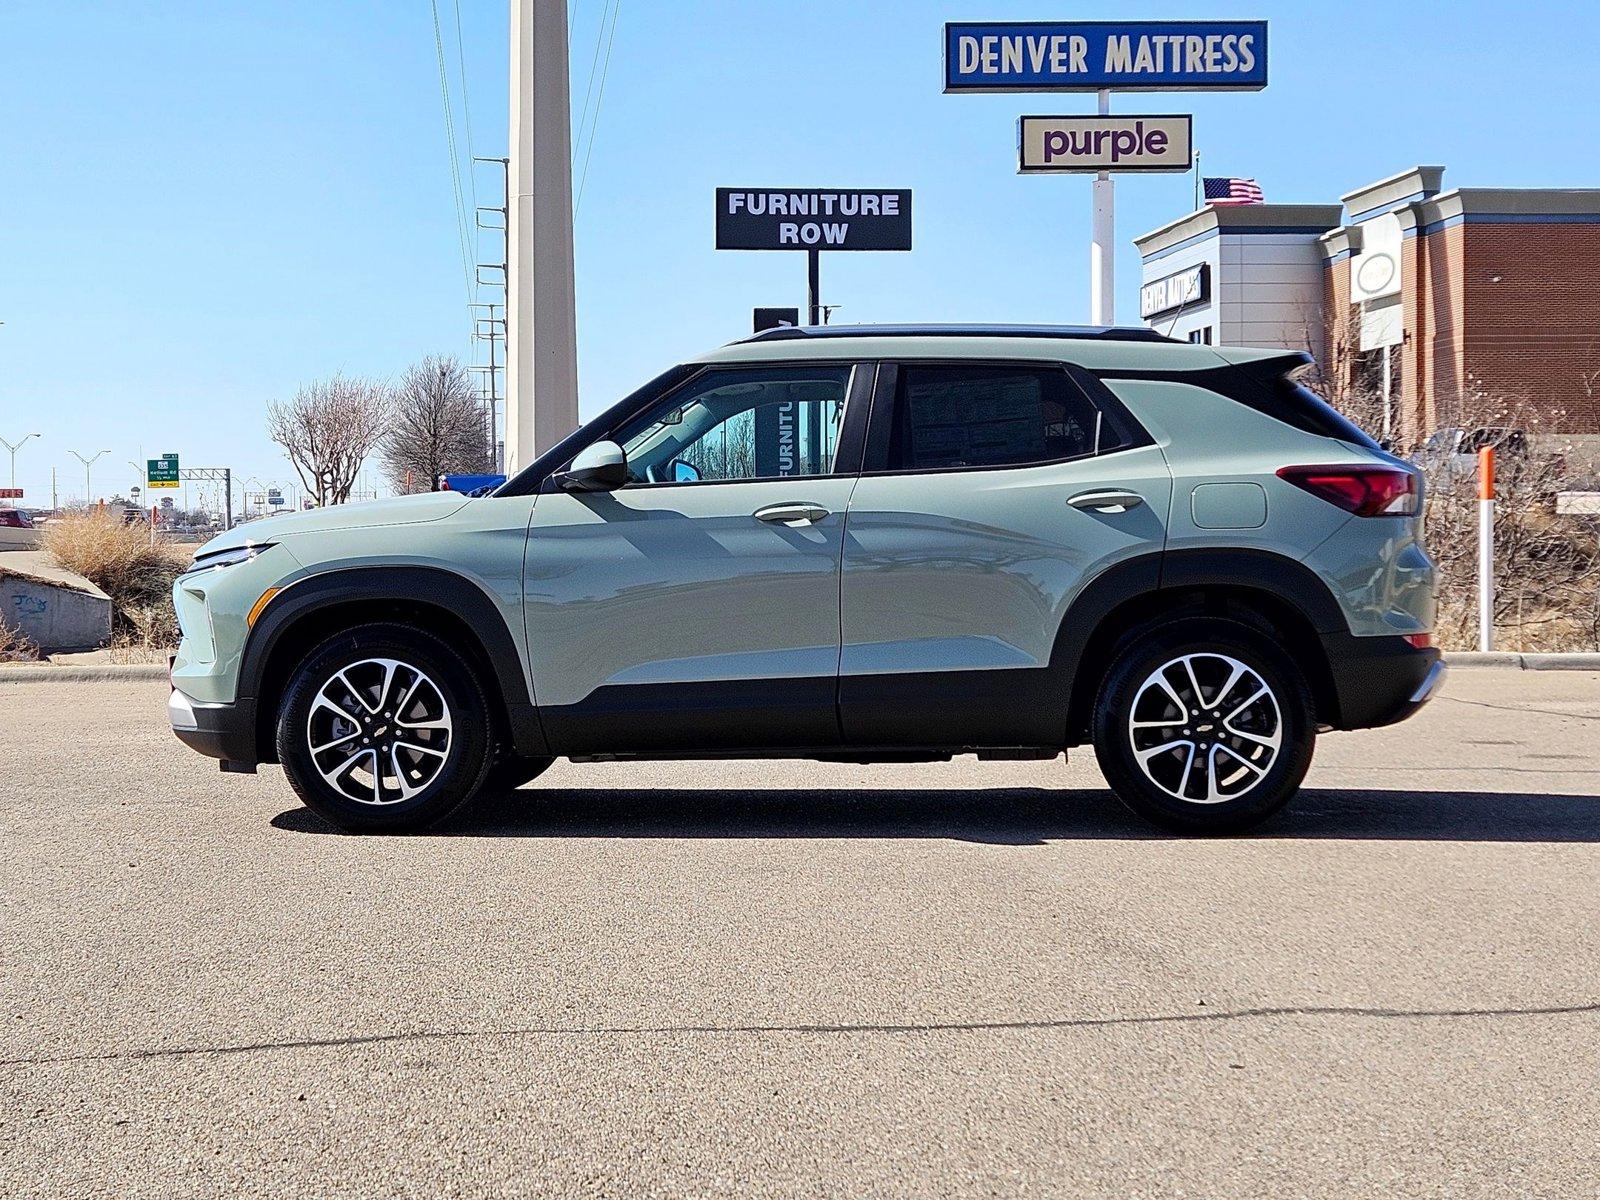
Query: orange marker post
[(1486, 549)]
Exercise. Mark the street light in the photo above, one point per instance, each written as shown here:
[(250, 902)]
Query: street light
[(87, 463), (14, 448)]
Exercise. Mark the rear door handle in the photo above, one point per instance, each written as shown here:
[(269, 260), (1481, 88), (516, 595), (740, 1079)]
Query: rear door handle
[(791, 514), (1112, 501)]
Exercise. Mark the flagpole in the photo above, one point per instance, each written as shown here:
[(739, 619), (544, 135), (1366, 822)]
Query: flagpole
[(1197, 181)]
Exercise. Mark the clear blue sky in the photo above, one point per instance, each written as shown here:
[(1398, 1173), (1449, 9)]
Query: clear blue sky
[(203, 205)]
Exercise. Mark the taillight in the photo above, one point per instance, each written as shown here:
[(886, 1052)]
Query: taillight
[(1419, 641), (1365, 491)]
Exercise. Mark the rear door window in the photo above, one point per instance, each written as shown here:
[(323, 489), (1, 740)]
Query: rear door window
[(956, 416)]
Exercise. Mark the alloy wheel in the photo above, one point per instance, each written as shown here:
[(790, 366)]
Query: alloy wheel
[(1205, 728), (379, 731)]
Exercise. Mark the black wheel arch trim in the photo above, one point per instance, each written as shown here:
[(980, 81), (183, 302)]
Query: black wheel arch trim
[(1147, 576), (429, 586)]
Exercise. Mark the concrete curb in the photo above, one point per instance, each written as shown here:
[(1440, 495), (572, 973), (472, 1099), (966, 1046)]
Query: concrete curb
[(98, 673), (1524, 662)]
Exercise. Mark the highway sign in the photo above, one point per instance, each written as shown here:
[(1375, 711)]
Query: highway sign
[(162, 472)]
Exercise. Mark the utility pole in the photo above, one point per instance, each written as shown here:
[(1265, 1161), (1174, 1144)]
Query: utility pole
[(14, 447), (53, 503), (88, 496), (491, 328), (541, 324)]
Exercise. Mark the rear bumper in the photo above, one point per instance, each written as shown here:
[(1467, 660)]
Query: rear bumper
[(1379, 680), (223, 731)]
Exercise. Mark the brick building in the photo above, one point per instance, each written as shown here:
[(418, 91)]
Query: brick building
[(1422, 296)]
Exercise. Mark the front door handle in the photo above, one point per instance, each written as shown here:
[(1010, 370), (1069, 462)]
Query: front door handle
[(790, 514), (1113, 501)]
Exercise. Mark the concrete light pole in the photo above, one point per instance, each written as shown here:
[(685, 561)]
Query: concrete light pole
[(541, 322), (88, 497), (14, 447)]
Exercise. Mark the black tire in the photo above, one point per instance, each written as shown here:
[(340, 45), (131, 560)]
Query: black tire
[(510, 771), (1186, 789), (443, 779)]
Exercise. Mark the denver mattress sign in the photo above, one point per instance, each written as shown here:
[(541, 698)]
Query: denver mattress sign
[(1088, 56), (1103, 57)]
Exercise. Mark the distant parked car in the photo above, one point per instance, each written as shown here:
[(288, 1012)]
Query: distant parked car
[(17, 530), (1453, 452), (470, 485)]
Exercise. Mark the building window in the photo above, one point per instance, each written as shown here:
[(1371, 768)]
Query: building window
[(1201, 336)]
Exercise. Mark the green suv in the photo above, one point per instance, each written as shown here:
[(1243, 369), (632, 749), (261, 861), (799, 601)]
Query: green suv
[(869, 544)]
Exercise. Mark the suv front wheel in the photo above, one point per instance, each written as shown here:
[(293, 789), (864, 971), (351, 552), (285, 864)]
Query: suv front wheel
[(1204, 727), (384, 728)]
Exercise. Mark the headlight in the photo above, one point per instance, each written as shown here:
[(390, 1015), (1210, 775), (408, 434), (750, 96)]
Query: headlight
[(227, 558)]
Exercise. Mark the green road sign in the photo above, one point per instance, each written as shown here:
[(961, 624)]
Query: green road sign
[(162, 472)]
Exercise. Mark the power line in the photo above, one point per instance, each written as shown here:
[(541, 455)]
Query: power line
[(455, 163), (588, 88), (594, 125), (466, 103)]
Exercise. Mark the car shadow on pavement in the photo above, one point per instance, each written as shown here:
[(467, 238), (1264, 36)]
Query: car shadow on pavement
[(1001, 816)]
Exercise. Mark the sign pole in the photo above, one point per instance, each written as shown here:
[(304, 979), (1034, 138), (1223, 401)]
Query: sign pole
[(1102, 247), (813, 287)]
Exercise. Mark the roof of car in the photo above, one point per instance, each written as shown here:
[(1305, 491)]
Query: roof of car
[(1110, 333), (1105, 347)]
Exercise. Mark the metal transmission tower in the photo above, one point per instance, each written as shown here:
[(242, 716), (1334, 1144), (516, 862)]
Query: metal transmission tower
[(489, 317)]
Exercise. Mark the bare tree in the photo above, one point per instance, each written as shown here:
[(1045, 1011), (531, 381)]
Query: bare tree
[(438, 427), (328, 430)]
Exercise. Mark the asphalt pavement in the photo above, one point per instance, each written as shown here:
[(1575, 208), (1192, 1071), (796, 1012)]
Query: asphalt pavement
[(791, 979)]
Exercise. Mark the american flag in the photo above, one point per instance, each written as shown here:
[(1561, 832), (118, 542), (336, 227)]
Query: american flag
[(1221, 191)]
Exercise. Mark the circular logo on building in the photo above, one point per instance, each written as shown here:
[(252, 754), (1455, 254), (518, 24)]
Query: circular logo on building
[(1375, 273)]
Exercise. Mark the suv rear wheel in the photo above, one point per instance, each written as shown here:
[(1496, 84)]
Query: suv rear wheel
[(384, 728), (1204, 727)]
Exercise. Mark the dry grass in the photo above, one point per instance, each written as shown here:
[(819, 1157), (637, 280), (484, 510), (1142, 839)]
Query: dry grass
[(120, 560), (15, 645)]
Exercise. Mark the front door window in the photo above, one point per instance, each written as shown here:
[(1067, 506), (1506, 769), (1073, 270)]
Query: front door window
[(740, 424)]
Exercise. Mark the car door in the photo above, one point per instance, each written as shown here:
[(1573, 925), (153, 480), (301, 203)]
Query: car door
[(992, 492), (697, 607)]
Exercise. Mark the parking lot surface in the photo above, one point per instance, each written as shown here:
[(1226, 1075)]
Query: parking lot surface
[(790, 979)]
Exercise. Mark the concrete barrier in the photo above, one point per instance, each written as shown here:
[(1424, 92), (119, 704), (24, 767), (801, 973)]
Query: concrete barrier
[(54, 609)]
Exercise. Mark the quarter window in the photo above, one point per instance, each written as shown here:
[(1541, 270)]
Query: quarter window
[(949, 416)]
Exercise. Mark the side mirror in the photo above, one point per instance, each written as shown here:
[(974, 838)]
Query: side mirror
[(684, 472), (602, 467)]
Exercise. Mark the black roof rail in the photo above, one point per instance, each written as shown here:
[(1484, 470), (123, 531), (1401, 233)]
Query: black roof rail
[(1108, 333)]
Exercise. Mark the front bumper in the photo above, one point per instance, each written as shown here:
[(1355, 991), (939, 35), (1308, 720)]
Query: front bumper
[(1380, 680), (221, 731)]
